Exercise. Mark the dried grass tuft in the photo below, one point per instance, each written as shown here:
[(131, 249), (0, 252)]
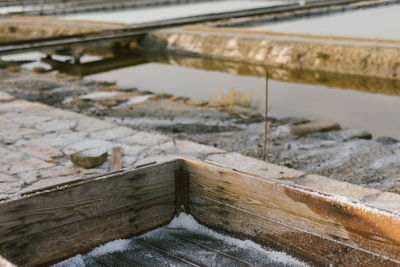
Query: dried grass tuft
[(235, 97)]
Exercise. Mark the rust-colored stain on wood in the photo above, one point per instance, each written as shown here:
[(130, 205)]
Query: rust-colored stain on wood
[(371, 229), (46, 226), (310, 223)]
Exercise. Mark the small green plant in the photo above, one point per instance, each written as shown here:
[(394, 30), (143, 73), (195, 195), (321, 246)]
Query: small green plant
[(322, 55), (39, 69), (298, 56), (13, 68), (235, 97), (12, 29)]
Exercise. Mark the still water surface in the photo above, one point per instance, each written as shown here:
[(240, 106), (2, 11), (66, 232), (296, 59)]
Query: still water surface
[(356, 103), (377, 113), (170, 12), (379, 22)]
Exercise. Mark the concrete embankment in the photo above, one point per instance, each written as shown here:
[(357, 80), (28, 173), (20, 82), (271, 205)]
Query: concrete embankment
[(343, 55)]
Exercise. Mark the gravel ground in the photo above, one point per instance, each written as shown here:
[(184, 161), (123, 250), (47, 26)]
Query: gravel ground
[(346, 155)]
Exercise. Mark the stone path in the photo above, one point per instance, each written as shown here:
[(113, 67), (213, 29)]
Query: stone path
[(36, 141)]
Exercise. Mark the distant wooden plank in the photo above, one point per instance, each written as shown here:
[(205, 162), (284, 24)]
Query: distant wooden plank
[(116, 159), (311, 224), (57, 223)]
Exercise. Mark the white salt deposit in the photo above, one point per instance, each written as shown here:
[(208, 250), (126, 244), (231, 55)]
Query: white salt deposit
[(137, 99), (76, 261), (113, 246), (187, 222), (99, 95), (110, 247), (382, 162)]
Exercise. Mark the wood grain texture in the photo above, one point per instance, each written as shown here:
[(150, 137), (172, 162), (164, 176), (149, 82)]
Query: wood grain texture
[(181, 191), (313, 225), (116, 159), (57, 223)]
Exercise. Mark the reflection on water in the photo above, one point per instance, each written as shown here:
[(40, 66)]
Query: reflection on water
[(379, 22), (370, 104), (359, 83), (121, 60), (290, 94)]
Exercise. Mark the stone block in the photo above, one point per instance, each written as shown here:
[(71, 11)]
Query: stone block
[(54, 140), (128, 161), (56, 125), (88, 124), (145, 139), (88, 144), (4, 168), (387, 201), (168, 148), (132, 150), (113, 133), (5, 97), (57, 171), (194, 149), (314, 126), (5, 178), (30, 177), (28, 165), (41, 152), (27, 119), (89, 158)]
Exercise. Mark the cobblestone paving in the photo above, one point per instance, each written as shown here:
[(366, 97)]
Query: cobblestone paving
[(36, 140)]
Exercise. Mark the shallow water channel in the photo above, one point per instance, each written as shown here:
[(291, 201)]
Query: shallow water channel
[(176, 11), (375, 112), (378, 22), (355, 102)]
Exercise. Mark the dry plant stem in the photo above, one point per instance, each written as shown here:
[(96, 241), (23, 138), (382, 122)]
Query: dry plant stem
[(266, 115), (116, 159)]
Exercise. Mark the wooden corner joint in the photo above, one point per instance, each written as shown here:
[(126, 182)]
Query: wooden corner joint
[(181, 191), (6, 263)]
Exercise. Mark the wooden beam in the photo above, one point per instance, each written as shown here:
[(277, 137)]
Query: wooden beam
[(53, 224), (313, 225)]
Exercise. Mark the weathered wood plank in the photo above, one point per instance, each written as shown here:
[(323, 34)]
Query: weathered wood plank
[(284, 214), (181, 191), (62, 242), (60, 222), (116, 159)]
